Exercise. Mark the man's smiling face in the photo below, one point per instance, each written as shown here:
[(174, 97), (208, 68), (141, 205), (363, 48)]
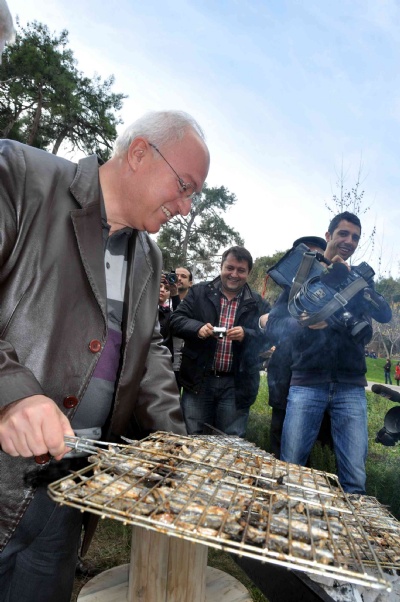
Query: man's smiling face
[(343, 241), (234, 274), (150, 191)]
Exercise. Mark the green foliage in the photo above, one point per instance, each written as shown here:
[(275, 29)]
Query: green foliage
[(196, 239), (389, 288), (257, 276), (388, 335), (45, 100)]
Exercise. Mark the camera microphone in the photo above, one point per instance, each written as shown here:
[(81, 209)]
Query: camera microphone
[(335, 275)]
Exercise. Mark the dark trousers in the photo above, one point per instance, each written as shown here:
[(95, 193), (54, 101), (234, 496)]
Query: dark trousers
[(277, 419), (214, 405), (38, 563)]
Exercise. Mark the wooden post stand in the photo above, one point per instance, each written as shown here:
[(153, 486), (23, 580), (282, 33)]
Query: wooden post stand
[(164, 569), (171, 568)]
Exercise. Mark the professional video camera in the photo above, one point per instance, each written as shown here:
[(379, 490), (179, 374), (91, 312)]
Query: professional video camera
[(390, 433), (171, 277), (324, 291)]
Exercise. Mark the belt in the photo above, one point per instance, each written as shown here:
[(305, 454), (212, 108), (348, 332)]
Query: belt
[(218, 374)]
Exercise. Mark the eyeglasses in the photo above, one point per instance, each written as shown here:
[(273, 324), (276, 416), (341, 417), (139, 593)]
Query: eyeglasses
[(183, 186)]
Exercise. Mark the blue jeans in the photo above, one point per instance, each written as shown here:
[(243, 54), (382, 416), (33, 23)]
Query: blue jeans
[(215, 405), (388, 378), (39, 561), (347, 407)]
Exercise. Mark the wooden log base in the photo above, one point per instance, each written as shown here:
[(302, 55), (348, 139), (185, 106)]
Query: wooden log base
[(112, 586)]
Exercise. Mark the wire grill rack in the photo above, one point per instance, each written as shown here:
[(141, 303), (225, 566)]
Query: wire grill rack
[(382, 528), (237, 498)]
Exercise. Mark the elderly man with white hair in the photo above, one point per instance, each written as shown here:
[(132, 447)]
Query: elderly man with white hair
[(81, 351), (7, 31)]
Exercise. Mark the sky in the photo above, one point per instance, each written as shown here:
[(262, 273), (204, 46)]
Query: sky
[(290, 95)]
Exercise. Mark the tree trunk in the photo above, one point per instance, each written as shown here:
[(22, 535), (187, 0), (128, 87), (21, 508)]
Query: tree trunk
[(185, 243), (8, 128), (384, 345), (11, 123), (61, 136), (36, 121)]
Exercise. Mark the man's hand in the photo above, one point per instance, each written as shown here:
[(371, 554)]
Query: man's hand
[(235, 334), (34, 426), (206, 331), (173, 290), (318, 326), (263, 320), (338, 259), (335, 258)]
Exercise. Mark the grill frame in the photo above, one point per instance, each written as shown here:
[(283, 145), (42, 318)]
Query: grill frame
[(248, 463)]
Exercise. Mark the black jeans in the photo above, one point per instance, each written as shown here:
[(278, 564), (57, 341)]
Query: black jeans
[(38, 563)]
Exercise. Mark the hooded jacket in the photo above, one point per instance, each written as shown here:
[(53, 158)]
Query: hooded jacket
[(53, 306)]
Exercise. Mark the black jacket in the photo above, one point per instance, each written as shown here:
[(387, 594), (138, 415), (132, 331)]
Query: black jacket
[(326, 355), (202, 305)]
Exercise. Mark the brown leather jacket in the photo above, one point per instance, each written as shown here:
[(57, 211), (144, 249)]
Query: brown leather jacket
[(53, 304)]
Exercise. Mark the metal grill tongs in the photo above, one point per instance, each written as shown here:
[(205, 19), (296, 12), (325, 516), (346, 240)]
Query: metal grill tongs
[(78, 445)]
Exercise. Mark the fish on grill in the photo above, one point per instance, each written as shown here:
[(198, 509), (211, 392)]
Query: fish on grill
[(234, 496)]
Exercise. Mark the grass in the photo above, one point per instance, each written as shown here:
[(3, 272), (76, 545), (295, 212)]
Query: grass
[(375, 369), (111, 544)]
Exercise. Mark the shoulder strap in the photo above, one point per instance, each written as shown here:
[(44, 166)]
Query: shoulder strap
[(339, 301), (302, 273)]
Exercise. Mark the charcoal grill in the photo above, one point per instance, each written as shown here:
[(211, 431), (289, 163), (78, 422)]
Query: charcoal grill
[(228, 494)]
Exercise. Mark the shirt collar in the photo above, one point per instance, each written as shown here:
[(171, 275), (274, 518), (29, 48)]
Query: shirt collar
[(105, 225)]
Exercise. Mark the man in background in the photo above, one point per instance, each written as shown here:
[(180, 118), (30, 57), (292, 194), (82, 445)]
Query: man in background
[(220, 370), (184, 282)]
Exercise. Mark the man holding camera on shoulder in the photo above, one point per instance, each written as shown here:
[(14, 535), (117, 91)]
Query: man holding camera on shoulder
[(327, 357), (218, 321)]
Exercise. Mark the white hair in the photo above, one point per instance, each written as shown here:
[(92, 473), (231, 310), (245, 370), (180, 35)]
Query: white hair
[(159, 128), (7, 31)]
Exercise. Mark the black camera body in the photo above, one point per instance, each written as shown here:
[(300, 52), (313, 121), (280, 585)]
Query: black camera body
[(389, 434), (171, 277), (324, 291)]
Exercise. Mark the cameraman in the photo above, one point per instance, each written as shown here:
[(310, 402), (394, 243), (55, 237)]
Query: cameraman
[(279, 371), (220, 374), (328, 372)]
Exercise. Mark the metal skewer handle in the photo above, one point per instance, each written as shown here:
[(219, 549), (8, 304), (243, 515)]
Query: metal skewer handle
[(77, 444)]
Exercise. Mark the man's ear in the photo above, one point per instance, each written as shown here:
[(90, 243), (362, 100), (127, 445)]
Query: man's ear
[(327, 236), (137, 151)]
